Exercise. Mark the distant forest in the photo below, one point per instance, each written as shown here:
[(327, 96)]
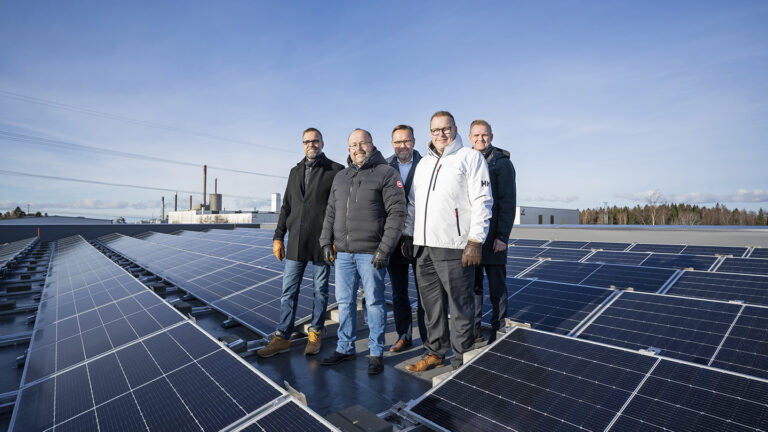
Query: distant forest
[(673, 214)]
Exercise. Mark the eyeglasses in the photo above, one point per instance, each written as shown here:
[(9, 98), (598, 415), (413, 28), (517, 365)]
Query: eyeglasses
[(436, 131), (309, 142), (360, 144), (403, 142)]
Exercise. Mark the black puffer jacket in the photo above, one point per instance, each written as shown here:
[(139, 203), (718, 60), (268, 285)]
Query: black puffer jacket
[(504, 193), (303, 210), (366, 208)]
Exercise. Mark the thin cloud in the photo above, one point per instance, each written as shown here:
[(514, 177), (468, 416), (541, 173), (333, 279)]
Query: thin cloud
[(552, 198), (740, 196)]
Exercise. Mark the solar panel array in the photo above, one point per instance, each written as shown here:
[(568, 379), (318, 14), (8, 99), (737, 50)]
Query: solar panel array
[(108, 354), (221, 273), (9, 251), (532, 380)]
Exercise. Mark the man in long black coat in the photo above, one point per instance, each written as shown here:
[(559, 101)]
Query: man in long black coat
[(494, 261), (404, 160), (302, 214)]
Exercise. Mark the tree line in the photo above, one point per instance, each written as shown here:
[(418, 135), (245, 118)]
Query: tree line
[(672, 214), (19, 213)]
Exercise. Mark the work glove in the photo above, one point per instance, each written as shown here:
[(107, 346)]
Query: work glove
[(472, 255), (379, 260), (406, 247), (278, 248), (329, 254)]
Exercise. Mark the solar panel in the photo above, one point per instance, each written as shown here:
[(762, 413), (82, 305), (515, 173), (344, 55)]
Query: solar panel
[(289, 416), (523, 251), (744, 265), (531, 380), (714, 250), (759, 252), (607, 246), (10, 251), (564, 254), (550, 306), (682, 328), (745, 350), (646, 279), (661, 248), (529, 242), (696, 262), (722, 286), (516, 265), (568, 244), (627, 258), (561, 271)]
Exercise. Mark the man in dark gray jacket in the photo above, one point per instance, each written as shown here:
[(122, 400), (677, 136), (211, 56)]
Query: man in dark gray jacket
[(494, 262), (364, 220)]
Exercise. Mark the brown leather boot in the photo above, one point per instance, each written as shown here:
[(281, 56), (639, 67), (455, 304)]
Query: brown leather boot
[(276, 346), (429, 361), (314, 342)]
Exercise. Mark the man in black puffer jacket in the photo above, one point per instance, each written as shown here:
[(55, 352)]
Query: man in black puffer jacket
[(494, 262), (364, 219)]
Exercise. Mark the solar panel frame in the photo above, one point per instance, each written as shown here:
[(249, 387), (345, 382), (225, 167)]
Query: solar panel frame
[(759, 252), (754, 266), (750, 289), (287, 415)]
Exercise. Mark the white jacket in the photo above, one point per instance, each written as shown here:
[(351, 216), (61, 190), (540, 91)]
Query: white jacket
[(450, 201)]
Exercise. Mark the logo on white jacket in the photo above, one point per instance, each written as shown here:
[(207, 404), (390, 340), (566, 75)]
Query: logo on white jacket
[(484, 183)]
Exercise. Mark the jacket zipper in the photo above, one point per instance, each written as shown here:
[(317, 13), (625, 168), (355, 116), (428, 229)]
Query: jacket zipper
[(458, 227), (346, 221), (436, 174), (426, 201)]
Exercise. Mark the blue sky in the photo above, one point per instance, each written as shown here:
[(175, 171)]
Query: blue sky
[(596, 101)]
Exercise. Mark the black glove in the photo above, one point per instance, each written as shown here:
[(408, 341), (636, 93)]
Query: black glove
[(329, 254), (406, 247), (380, 260)]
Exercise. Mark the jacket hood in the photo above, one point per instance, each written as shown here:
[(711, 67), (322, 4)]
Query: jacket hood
[(374, 159), (453, 147), (496, 154)]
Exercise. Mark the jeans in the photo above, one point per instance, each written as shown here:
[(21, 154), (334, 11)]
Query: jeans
[(351, 268), (289, 301)]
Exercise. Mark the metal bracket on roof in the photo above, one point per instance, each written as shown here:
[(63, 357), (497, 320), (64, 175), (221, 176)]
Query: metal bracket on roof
[(615, 288), (736, 301), (509, 323), (650, 351)]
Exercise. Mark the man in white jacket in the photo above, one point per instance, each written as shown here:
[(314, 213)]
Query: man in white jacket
[(448, 216)]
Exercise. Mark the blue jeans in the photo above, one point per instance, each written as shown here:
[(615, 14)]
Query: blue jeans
[(289, 301), (350, 268)]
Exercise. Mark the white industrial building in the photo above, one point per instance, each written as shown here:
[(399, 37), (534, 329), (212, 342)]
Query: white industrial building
[(198, 217), (546, 216)]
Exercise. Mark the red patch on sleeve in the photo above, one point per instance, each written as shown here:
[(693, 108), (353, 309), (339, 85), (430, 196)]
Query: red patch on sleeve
[(399, 184)]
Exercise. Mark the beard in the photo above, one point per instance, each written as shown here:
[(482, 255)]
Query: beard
[(404, 155), (311, 154)]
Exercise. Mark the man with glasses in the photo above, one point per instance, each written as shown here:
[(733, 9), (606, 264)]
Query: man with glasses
[(364, 220), (494, 262), (301, 215), (404, 160), (448, 217)]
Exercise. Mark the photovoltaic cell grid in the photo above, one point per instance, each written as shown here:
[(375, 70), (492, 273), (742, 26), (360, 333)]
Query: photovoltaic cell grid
[(626, 258), (744, 266), (759, 253), (531, 380), (681, 328), (695, 262), (645, 279), (722, 286), (745, 349), (549, 306), (607, 246), (287, 417), (714, 250), (9, 251), (167, 379), (653, 247)]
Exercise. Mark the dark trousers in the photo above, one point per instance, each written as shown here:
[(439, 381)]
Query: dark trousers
[(497, 290), (444, 282), (401, 303)]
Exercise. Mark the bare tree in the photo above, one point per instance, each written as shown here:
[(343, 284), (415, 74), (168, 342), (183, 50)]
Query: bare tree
[(653, 199)]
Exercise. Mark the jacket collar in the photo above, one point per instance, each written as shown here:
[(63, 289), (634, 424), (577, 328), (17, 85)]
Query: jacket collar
[(395, 162), (319, 160), (453, 147), (374, 159)]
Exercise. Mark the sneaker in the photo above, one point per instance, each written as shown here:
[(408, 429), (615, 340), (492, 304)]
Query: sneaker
[(375, 366), (429, 361), (314, 343), (400, 345), (336, 358), (276, 346)]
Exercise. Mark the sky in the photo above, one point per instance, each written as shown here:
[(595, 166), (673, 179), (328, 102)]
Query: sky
[(599, 101)]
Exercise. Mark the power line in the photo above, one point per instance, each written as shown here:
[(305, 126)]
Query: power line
[(13, 136), (116, 117), (98, 182)]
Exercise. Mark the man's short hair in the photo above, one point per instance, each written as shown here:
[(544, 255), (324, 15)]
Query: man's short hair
[(312, 130), (402, 127), (481, 123), (370, 137), (443, 114)]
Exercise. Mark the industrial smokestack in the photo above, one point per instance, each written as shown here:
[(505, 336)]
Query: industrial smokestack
[(216, 186), (176, 201), (162, 211), (205, 178), (190, 202)]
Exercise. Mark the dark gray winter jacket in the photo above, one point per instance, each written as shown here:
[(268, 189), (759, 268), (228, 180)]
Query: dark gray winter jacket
[(366, 208)]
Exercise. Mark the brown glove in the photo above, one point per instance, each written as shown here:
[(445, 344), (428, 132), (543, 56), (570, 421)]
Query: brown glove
[(472, 255), (278, 248)]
